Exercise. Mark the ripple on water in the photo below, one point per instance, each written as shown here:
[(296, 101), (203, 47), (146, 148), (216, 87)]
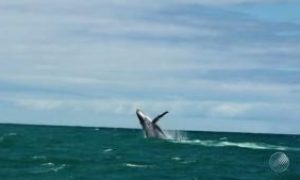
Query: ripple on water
[(8, 138), (222, 143), (48, 167), (107, 150), (176, 158), (41, 157), (49, 164), (136, 165), (58, 168), (12, 134)]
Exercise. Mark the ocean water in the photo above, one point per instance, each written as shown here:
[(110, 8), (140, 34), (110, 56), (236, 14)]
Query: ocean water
[(48, 152)]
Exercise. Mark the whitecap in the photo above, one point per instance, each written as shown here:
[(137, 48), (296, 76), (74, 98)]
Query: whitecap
[(4, 136), (176, 135), (58, 168), (48, 167), (54, 167), (48, 164), (250, 145), (107, 150), (39, 157), (135, 165), (12, 134), (176, 158), (187, 162), (223, 138)]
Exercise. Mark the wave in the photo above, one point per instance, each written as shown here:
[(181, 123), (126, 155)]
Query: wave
[(58, 168), (136, 165), (8, 135), (176, 158), (181, 137), (176, 135), (49, 164), (8, 138), (107, 150), (41, 157), (250, 145), (48, 167)]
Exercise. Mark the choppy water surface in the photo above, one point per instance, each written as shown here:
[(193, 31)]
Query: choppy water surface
[(47, 152)]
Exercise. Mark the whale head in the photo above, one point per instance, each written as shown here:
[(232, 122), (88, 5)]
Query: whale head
[(141, 116)]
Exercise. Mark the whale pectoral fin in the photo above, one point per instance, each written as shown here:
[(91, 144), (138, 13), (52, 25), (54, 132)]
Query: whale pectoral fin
[(158, 117), (159, 130)]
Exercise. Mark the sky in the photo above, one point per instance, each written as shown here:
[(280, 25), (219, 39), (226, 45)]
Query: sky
[(226, 65)]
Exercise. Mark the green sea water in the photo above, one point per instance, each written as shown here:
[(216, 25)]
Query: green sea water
[(48, 152)]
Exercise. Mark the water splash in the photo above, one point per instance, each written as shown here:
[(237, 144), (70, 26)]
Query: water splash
[(220, 143), (176, 136), (181, 137)]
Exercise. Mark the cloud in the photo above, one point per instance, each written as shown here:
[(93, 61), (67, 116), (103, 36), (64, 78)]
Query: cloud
[(230, 110), (135, 3), (37, 104), (202, 59), (181, 108), (228, 2)]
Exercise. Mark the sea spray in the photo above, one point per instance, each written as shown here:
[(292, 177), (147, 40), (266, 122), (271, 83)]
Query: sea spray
[(220, 143), (175, 135)]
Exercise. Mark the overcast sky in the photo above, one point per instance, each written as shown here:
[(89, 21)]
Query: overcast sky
[(226, 65)]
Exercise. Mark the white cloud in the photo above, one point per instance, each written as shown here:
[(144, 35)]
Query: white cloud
[(38, 104), (110, 57), (219, 109), (230, 110), (136, 3), (144, 82)]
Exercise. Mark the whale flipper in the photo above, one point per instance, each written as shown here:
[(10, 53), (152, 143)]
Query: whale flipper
[(157, 118), (161, 132)]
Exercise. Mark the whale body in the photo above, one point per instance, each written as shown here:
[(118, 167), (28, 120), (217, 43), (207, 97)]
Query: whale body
[(149, 126)]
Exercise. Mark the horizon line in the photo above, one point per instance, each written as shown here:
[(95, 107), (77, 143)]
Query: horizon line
[(135, 128)]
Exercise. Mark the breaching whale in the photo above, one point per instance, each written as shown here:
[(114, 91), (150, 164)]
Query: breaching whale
[(150, 127)]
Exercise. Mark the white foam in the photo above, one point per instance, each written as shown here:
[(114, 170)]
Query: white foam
[(176, 135), (220, 143), (39, 157), (58, 168), (48, 167), (223, 138), (107, 150), (53, 167), (48, 164), (181, 137), (11, 134), (135, 165), (188, 162), (176, 158), (2, 138)]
